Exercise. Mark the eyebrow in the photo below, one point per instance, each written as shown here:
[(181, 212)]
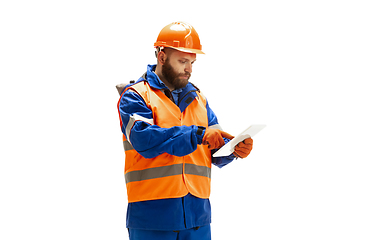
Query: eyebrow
[(186, 59)]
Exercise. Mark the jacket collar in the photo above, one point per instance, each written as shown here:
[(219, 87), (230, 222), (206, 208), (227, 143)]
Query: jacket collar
[(153, 79)]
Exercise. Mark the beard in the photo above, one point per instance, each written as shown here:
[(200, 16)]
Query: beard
[(173, 77)]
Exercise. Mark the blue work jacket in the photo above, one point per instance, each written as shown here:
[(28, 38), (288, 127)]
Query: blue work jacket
[(175, 213)]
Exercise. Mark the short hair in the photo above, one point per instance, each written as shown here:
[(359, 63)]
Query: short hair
[(167, 50), (158, 49)]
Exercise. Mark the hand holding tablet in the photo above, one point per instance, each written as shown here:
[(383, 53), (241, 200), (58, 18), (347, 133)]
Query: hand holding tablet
[(229, 148)]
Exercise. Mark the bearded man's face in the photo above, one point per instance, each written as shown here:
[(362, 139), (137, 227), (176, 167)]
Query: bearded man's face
[(177, 68), (177, 79)]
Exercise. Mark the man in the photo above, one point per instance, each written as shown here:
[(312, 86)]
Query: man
[(170, 134)]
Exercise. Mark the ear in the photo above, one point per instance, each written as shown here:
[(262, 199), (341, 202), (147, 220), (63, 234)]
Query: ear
[(161, 57)]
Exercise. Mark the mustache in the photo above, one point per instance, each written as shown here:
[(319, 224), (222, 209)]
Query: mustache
[(185, 75)]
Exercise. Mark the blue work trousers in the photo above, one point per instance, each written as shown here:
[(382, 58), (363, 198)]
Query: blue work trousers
[(201, 233)]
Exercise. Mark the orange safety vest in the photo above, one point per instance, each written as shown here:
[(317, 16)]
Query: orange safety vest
[(168, 176)]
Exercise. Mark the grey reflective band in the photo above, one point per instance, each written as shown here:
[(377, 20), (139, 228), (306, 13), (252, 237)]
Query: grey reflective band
[(216, 126), (197, 170), (127, 146), (135, 117), (166, 171), (151, 173)]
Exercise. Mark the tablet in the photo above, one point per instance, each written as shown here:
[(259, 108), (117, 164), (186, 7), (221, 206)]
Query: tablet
[(229, 148)]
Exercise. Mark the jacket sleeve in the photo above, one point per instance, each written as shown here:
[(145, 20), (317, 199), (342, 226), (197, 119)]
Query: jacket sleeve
[(213, 123), (148, 139)]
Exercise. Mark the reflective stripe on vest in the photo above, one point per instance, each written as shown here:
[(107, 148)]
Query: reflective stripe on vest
[(127, 145), (167, 176), (167, 171)]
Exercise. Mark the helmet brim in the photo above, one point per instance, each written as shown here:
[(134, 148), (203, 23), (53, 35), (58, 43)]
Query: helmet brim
[(181, 49), (188, 50)]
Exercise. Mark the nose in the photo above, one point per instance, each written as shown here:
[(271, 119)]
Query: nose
[(188, 67)]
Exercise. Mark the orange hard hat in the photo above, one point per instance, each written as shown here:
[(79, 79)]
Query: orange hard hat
[(180, 36)]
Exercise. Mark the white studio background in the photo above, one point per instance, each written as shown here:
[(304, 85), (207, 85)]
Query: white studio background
[(310, 70)]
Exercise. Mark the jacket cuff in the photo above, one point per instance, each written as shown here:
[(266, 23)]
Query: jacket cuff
[(200, 131)]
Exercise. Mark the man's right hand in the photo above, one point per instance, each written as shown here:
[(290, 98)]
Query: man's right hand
[(214, 138)]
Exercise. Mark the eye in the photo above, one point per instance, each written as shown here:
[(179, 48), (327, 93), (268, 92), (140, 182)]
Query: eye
[(182, 61)]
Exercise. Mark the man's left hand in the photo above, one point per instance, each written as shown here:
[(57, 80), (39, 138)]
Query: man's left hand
[(244, 148)]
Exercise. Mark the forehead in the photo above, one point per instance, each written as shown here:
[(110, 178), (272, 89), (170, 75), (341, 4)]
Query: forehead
[(179, 55)]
